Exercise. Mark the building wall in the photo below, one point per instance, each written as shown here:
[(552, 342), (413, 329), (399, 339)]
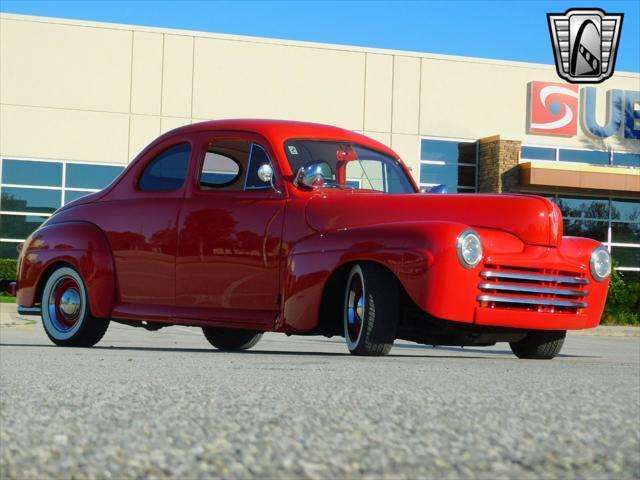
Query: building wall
[(86, 91)]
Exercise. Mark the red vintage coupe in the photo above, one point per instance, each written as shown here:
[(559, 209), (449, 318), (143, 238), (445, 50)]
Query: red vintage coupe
[(247, 226)]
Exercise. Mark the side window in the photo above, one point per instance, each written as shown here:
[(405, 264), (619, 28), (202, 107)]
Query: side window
[(257, 159), (167, 171), (224, 164), (367, 174)]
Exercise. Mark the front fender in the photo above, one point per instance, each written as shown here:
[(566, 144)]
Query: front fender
[(80, 244), (413, 251)]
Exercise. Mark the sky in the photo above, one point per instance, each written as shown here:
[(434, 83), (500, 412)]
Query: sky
[(506, 30)]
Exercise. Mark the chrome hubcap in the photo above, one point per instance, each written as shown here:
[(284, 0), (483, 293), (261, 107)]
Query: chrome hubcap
[(355, 308), (65, 304), (70, 303)]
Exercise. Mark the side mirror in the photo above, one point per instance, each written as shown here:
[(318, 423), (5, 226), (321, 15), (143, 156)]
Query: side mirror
[(310, 177), (265, 174)]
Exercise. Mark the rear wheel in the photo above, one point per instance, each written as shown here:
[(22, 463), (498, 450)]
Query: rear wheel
[(371, 310), (539, 345), (231, 339), (66, 316)]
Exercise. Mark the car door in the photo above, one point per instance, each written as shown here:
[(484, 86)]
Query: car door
[(229, 235)]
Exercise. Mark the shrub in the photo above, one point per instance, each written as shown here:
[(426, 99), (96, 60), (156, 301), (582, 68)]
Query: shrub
[(623, 302), (8, 269)]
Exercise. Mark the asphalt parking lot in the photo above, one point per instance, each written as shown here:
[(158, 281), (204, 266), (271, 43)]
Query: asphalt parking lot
[(164, 404)]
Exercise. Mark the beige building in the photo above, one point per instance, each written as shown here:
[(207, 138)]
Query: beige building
[(78, 100)]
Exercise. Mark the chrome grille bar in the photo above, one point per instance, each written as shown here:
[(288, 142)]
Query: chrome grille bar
[(501, 287), (532, 301), (533, 277)]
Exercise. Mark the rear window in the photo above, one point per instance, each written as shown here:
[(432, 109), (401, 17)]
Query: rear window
[(167, 171)]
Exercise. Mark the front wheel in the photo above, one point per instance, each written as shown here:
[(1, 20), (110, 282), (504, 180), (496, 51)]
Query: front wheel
[(231, 339), (371, 310), (66, 316), (539, 345)]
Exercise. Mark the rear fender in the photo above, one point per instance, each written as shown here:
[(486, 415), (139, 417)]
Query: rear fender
[(79, 244)]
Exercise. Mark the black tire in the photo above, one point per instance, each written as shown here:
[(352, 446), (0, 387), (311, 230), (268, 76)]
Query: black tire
[(67, 320), (539, 345), (375, 309), (230, 339)]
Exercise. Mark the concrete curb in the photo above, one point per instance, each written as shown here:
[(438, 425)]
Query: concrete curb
[(9, 316), (608, 331)]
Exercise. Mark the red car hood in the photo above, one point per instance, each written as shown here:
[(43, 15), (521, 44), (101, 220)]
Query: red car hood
[(535, 220)]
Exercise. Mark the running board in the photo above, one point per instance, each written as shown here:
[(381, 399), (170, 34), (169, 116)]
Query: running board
[(29, 310)]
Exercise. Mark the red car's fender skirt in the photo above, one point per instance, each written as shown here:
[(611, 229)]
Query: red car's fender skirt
[(408, 249), (79, 244)]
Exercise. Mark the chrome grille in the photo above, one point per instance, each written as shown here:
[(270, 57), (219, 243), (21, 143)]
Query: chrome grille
[(532, 289)]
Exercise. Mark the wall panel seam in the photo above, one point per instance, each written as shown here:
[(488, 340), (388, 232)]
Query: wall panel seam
[(393, 81), (162, 76), (193, 70), (364, 102), (420, 98), (130, 98), (88, 110)]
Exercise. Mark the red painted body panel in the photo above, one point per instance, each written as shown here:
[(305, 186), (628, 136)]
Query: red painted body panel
[(423, 257), (261, 259), (79, 244), (502, 212)]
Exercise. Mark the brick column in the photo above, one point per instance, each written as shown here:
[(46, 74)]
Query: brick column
[(498, 165)]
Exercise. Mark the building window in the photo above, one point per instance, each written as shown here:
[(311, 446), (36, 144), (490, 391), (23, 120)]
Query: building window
[(90, 176), (31, 190), (449, 162), (626, 159), (613, 221), (592, 157), (21, 199), (537, 153)]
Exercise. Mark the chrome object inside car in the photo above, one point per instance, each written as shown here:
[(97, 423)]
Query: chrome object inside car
[(310, 177), (265, 173), (438, 189)]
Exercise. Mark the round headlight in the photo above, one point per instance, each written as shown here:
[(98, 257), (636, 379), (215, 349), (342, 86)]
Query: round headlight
[(600, 263), (469, 248)]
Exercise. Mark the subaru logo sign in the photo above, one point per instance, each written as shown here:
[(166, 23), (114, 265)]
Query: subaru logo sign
[(558, 109)]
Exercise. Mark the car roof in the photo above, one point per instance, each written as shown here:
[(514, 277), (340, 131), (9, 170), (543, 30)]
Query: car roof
[(278, 131)]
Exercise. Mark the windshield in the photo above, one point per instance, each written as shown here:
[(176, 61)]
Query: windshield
[(350, 166)]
